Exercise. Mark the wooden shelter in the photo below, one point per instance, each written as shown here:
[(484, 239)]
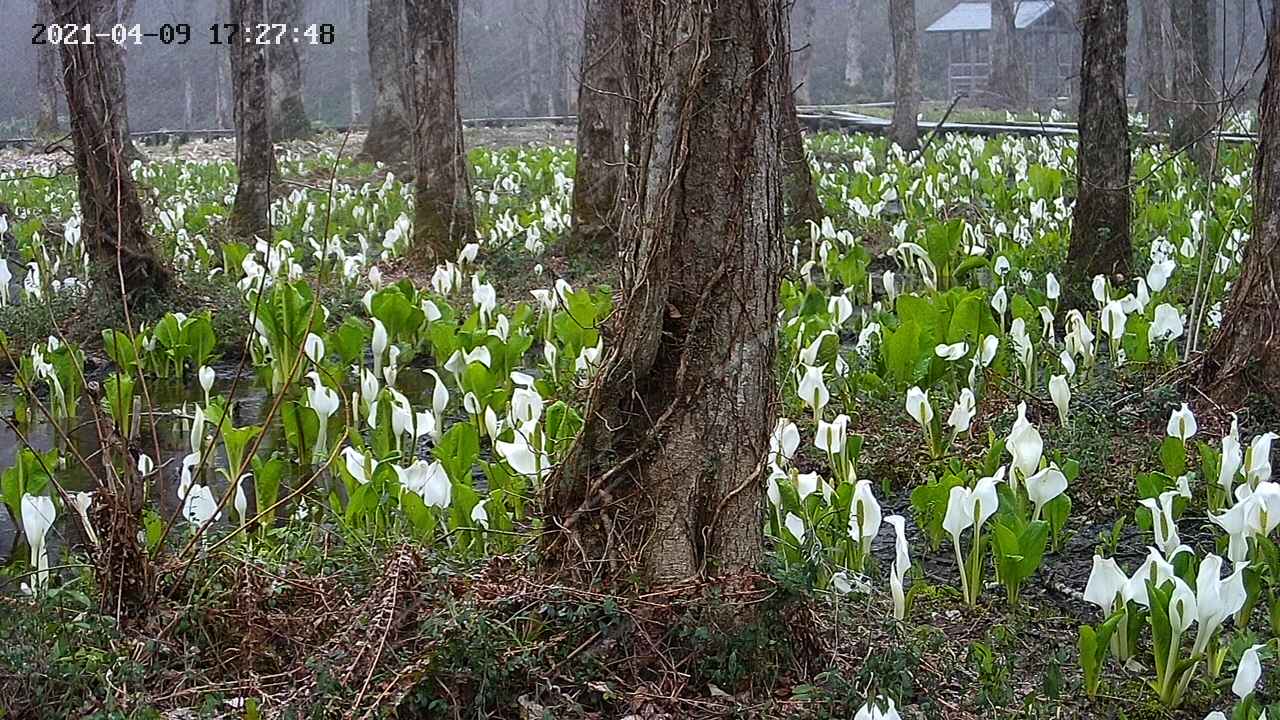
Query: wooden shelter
[(1049, 40)]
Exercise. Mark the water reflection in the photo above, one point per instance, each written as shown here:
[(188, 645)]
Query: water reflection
[(172, 431)]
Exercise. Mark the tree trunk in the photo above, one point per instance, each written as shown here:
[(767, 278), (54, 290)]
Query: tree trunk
[(353, 64), (112, 223), (1100, 226), (1155, 59), (1195, 113), (559, 75), (390, 137), (288, 112), (604, 107), (1244, 355), (442, 211), (46, 76), (803, 13), (107, 13), (255, 153), (906, 73), (1007, 86), (853, 46), (528, 53), (221, 114), (802, 203), (188, 91), (678, 417)]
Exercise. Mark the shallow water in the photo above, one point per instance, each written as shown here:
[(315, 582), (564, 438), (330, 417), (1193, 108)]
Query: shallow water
[(249, 407)]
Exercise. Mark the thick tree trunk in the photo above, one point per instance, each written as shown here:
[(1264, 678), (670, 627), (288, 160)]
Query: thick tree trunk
[(1195, 113), (442, 212), (1100, 226), (604, 107), (46, 76), (390, 137), (1007, 87), (906, 73), (112, 224), (803, 14), (853, 46), (255, 153), (679, 415), (288, 111), (1244, 355), (1156, 88)]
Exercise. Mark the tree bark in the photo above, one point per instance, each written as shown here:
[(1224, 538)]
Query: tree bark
[(803, 13), (390, 137), (853, 46), (679, 414), (802, 203), (1100, 226), (604, 107), (906, 73), (46, 76), (1244, 355), (442, 212), (107, 13), (1156, 89), (255, 152), (1007, 86), (1195, 113), (288, 111), (111, 212)]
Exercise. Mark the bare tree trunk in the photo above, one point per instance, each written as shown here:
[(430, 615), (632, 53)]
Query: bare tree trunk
[(107, 13), (1007, 87), (112, 213), (442, 212), (679, 415), (188, 92), (803, 13), (1100, 226), (188, 96), (221, 114), (853, 46), (288, 111), (1244, 355), (255, 153), (1156, 87), (604, 108), (390, 137), (353, 63), (46, 76), (906, 59), (559, 75), (801, 194), (1195, 114), (528, 53)]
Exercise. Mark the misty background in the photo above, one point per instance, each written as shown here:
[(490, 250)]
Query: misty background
[(520, 58)]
